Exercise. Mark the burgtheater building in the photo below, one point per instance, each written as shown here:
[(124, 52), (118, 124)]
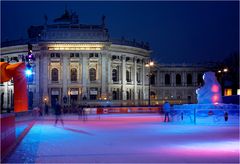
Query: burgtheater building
[(78, 63)]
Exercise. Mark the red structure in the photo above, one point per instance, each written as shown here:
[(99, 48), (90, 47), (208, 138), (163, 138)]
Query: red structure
[(17, 72)]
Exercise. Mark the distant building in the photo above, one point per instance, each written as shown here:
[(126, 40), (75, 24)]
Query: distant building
[(78, 63)]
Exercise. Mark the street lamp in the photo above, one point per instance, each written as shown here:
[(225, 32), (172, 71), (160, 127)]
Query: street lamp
[(29, 59), (28, 73), (149, 65)]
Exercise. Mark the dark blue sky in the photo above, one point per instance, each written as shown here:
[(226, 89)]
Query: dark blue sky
[(177, 32)]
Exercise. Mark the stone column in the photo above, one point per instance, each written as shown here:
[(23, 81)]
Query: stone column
[(45, 76), (161, 74), (109, 71), (124, 77), (195, 79), (135, 79), (144, 77), (104, 74), (65, 74), (37, 99), (173, 79), (6, 89), (184, 79), (84, 73)]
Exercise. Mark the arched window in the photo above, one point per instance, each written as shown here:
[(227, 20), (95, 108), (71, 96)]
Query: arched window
[(73, 74), (138, 76), (200, 79), (114, 57), (128, 76), (189, 79), (167, 79), (54, 74), (128, 95), (152, 79), (92, 74), (114, 95), (2, 100), (178, 79), (114, 75)]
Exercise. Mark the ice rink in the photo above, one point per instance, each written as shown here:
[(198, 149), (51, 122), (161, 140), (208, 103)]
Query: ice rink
[(132, 138)]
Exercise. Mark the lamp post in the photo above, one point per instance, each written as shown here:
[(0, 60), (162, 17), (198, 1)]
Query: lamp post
[(149, 65), (28, 73), (29, 59)]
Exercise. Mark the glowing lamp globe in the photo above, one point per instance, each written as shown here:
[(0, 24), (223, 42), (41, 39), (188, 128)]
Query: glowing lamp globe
[(28, 72)]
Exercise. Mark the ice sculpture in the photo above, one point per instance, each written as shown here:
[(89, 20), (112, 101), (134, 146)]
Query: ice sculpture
[(210, 92)]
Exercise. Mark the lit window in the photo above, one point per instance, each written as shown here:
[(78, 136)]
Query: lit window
[(228, 92), (238, 92)]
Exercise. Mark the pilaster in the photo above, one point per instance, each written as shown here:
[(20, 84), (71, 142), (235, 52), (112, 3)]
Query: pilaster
[(84, 73), (135, 79), (123, 77), (65, 74)]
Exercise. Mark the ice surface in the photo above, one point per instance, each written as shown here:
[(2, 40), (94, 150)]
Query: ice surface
[(132, 138)]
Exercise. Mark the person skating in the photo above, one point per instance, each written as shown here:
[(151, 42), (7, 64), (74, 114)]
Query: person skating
[(58, 113), (166, 109), (46, 109)]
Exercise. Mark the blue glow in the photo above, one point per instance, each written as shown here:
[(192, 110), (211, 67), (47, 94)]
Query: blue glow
[(28, 72)]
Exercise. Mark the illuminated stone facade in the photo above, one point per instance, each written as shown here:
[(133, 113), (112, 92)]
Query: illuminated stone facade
[(78, 63)]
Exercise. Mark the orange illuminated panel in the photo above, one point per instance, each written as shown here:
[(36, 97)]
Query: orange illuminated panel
[(228, 92)]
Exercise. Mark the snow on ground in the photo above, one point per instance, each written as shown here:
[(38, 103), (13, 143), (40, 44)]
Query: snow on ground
[(132, 138)]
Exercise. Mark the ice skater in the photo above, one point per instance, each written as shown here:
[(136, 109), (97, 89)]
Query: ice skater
[(46, 109), (166, 109), (58, 113)]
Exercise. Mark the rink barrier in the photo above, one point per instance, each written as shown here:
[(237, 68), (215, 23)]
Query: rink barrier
[(7, 133), (11, 136), (218, 112), (109, 110)]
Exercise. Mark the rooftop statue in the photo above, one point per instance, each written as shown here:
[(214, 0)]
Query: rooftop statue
[(68, 17), (210, 92)]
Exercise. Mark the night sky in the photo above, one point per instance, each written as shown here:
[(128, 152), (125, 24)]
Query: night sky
[(178, 32)]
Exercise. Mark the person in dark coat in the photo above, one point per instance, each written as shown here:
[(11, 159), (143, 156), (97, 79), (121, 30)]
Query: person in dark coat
[(58, 113), (46, 109), (80, 112), (166, 109)]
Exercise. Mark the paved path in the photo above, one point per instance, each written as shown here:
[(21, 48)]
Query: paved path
[(127, 138)]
